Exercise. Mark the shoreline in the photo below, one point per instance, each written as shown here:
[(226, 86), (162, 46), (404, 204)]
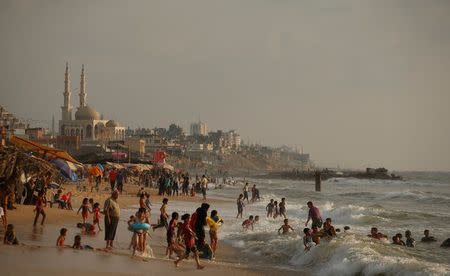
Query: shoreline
[(41, 239)]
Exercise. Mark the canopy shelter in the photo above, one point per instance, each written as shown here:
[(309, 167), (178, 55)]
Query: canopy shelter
[(44, 151), (116, 166), (139, 167)]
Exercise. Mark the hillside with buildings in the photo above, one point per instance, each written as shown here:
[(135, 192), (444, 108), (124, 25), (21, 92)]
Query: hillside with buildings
[(91, 138)]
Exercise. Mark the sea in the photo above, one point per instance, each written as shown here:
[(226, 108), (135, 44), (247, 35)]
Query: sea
[(420, 201)]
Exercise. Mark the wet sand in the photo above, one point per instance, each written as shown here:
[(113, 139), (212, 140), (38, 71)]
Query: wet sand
[(38, 254)]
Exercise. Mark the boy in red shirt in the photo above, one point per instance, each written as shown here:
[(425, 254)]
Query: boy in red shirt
[(189, 240)]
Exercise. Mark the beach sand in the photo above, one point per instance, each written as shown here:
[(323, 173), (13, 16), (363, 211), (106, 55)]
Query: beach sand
[(38, 254)]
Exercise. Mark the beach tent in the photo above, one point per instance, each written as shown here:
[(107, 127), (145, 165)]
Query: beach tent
[(95, 171), (100, 166), (67, 169), (44, 151)]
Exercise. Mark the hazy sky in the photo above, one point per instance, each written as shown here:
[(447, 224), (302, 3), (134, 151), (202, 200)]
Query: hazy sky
[(357, 83)]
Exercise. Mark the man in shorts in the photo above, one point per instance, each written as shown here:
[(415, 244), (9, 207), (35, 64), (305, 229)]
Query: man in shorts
[(314, 216)]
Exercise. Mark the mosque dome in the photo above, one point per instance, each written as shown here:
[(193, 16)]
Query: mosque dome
[(112, 123), (87, 113)]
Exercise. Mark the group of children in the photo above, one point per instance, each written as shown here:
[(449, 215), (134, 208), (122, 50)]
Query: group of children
[(89, 207), (275, 209), (60, 241), (397, 239), (181, 235)]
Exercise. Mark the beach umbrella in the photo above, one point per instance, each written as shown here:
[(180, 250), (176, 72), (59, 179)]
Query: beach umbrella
[(66, 168), (95, 171)]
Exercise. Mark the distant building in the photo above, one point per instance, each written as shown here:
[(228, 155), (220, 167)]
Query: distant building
[(199, 129), (135, 145), (12, 124), (88, 123), (35, 133)]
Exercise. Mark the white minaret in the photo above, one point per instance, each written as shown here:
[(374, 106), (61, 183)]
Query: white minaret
[(82, 88), (67, 107)]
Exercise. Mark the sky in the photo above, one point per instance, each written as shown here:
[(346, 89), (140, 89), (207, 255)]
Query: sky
[(355, 83)]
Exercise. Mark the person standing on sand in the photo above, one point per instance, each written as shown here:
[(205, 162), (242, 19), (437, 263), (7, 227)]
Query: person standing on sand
[(111, 210), (200, 223), (314, 215), (119, 180), (204, 185), (112, 178)]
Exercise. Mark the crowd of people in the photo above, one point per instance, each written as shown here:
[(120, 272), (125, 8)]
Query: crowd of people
[(319, 229), (185, 234)]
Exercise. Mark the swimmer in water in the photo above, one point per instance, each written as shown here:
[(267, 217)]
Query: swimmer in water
[(269, 208), (285, 227), (248, 223), (307, 239), (376, 235), (400, 236), (427, 237), (316, 234), (410, 242)]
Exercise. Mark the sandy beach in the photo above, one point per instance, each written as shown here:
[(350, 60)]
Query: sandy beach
[(38, 244)]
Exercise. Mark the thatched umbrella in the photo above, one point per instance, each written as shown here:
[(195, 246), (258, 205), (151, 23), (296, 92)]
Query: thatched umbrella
[(16, 167)]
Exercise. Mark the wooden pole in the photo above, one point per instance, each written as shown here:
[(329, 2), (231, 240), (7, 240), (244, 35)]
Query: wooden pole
[(318, 181)]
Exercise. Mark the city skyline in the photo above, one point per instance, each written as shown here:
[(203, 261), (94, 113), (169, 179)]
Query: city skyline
[(357, 84)]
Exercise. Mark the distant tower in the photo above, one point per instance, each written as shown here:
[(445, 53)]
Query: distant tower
[(53, 125), (67, 107), (82, 88)]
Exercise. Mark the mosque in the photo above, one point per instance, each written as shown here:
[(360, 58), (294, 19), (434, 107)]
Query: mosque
[(88, 124)]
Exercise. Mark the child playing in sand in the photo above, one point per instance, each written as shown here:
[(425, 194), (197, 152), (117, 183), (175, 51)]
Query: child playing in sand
[(269, 209), (307, 239), (77, 244), (248, 223), (84, 208), (96, 212), (171, 235), (86, 228), (163, 216), (10, 236), (189, 240), (62, 237), (240, 205), (285, 227), (39, 209)]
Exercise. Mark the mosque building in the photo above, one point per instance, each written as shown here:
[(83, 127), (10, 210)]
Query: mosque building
[(88, 124)]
